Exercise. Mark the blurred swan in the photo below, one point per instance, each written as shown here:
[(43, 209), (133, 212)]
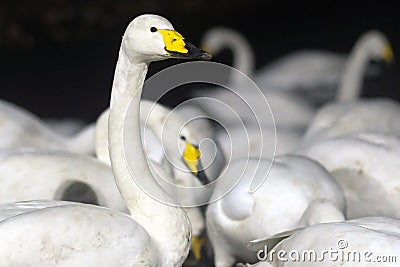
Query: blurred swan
[(237, 142), (297, 192), (315, 74), (154, 234), (27, 175), (368, 241), (66, 127), (197, 119), (365, 165), (305, 70), (291, 111), (252, 128), (344, 118), (351, 114), (283, 105), (260, 114), (21, 129), (372, 45), (218, 38)]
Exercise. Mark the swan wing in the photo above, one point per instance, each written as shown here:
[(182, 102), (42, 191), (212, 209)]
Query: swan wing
[(18, 208), (46, 175), (68, 234), (272, 240)]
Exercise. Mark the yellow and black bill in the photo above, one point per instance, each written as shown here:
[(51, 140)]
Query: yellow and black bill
[(191, 157), (177, 47)]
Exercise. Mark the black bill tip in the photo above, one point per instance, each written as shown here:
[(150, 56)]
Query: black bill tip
[(193, 53)]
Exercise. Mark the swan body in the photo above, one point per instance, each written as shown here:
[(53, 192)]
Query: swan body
[(365, 166), (305, 70), (350, 114), (65, 220), (256, 142), (297, 191), (315, 75), (21, 129), (48, 175), (66, 127), (343, 118), (367, 241), (154, 234), (289, 111)]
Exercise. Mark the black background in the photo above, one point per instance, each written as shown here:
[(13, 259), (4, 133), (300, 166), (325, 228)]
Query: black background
[(57, 57)]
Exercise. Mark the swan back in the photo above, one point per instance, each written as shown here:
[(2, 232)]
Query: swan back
[(45, 175), (50, 231), (21, 129)]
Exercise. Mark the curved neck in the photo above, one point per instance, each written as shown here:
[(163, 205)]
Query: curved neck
[(151, 214), (352, 79), (243, 56), (243, 60)]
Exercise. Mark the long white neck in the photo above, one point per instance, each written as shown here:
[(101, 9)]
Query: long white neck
[(243, 59), (243, 56), (168, 226), (352, 79)]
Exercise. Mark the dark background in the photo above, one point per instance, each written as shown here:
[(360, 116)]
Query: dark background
[(57, 57)]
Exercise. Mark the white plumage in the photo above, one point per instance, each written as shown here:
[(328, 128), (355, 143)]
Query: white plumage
[(21, 129), (366, 167), (68, 234), (47, 175), (368, 241), (343, 118), (296, 192)]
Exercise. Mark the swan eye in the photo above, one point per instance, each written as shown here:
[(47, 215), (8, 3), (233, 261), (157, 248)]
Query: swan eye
[(183, 138), (153, 29)]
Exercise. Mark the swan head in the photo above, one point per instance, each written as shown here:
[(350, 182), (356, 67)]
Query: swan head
[(192, 158), (151, 37), (378, 46)]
